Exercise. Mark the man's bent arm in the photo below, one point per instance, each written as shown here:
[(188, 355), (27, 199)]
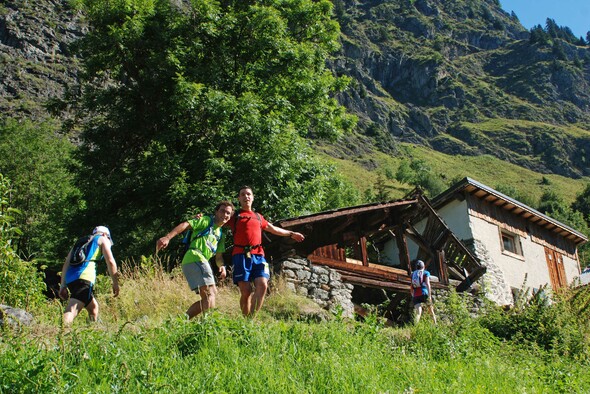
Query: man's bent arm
[(63, 292), (105, 245), (220, 264)]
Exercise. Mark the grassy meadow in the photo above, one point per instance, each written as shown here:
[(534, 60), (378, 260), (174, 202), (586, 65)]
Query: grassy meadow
[(144, 344)]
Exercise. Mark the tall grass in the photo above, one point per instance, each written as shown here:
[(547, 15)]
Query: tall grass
[(148, 346)]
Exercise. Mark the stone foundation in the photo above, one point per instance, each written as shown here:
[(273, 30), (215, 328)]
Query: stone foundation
[(493, 282), (321, 284)]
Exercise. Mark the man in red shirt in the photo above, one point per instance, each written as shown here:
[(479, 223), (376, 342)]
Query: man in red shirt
[(248, 256)]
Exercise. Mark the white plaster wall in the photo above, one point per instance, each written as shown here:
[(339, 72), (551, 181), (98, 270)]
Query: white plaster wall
[(456, 217), (572, 269), (390, 253), (532, 264)]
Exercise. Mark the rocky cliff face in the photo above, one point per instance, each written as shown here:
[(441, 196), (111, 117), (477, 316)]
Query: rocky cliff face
[(35, 57), (431, 72), (424, 69)]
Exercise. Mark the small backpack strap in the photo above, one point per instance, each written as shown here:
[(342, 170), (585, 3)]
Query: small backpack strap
[(206, 230), (237, 216)]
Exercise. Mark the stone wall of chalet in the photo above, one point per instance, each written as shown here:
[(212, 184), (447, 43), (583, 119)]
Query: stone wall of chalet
[(321, 284), (493, 282)]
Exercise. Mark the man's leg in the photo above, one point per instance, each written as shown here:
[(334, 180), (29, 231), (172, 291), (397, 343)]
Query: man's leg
[(431, 311), (245, 297), (92, 309), (72, 309), (417, 312), (207, 301), (212, 296), (261, 285), (195, 309)]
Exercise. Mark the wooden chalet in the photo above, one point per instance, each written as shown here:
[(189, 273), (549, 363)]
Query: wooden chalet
[(515, 242), (348, 240)]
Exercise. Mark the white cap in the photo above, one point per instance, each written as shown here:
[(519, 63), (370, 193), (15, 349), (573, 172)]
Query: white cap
[(102, 229)]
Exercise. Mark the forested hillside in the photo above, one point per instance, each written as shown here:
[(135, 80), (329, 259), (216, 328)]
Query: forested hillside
[(135, 113)]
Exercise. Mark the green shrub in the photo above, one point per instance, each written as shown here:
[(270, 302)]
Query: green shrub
[(552, 325), (21, 284)]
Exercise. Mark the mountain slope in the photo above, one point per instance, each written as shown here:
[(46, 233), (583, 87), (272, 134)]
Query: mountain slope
[(438, 72), (37, 63), (459, 77)]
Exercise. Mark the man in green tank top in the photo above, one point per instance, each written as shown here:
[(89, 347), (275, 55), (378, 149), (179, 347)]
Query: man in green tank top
[(208, 240)]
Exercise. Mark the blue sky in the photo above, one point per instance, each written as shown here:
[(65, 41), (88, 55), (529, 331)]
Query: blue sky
[(574, 14)]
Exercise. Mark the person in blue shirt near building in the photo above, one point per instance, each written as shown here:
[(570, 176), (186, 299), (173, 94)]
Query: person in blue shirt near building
[(79, 279), (421, 291)]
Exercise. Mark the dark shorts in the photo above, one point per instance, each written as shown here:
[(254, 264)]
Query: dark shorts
[(246, 269), (81, 290), (420, 299)]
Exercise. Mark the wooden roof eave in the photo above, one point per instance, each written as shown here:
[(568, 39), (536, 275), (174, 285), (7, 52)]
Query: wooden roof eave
[(288, 223), (480, 190)]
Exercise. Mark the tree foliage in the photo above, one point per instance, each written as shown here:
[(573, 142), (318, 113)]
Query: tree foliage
[(21, 285), (513, 192), (553, 205), (417, 173), (43, 185), (582, 203), (185, 101), (551, 32)]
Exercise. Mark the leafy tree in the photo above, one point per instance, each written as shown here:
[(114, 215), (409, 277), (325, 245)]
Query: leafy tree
[(568, 35), (582, 203), (185, 101), (417, 173), (539, 36), (404, 172), (554, 206), (577, 62), (552, 28), (551, 202), (562, 32), (43, 185), (382, 188), (512, 192), (558, 51), (21, 284)]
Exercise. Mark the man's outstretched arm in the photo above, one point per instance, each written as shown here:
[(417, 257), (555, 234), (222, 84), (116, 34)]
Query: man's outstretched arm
[(163, 242), (281, 232)]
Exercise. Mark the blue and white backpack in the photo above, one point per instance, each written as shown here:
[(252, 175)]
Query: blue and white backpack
[(417, 278)]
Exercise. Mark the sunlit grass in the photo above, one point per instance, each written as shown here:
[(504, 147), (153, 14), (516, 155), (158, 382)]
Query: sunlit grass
[(154, 349)]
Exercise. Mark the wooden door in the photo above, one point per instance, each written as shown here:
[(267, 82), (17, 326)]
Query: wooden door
[(556, 269)]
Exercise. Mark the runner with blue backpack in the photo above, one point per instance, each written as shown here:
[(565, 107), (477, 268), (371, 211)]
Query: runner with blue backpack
[(206, 239), (79, 273), (421, 291)]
